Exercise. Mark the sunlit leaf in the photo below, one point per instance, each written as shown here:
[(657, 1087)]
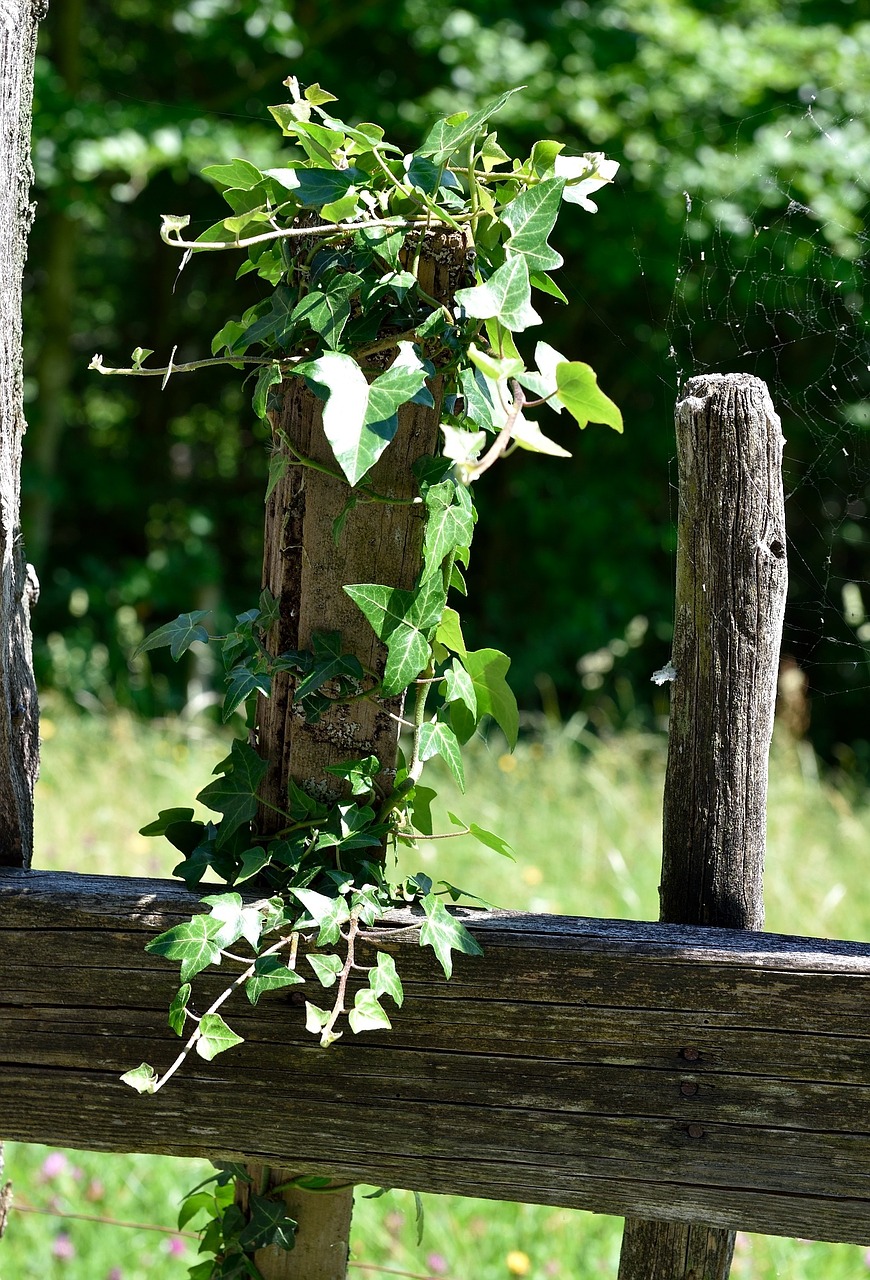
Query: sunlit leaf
[(579, 392), (215, 1037)]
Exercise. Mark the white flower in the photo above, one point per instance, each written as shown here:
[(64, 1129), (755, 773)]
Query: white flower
[(600, 172)]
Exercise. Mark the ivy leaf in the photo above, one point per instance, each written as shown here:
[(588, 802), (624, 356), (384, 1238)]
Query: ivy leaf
[(449, 523), (404, 620), (316, 187), (142, 1078), (445, 934), (241, 683), (530, 217), (438, 739), (253, 862), (580, 394), (178, 1009), (330, 664), (529, 435), (385, 981), (505, 296), (397, 385), (238, 173), (140, 355), (543, 382), (326, 967), (235, 920), (235, 793), (459, 687), (269, 1226), (179, 634), (329, 913), (315, 1018), (269, 376), (488, 838), (360, 774), (449, 632), (270, 974), (479, 406), (192, 942), (546, 285), (355, 447), (488, 669), (215, 1037), (447, 135), (324, 313), (367, 1014), (165, 819), (495, 367)]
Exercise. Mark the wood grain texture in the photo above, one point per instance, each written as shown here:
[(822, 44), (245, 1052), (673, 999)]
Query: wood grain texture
[(19, 720), (658, 1071)]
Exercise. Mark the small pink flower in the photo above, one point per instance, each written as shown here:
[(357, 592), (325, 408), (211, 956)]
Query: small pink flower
[(63, 1247), (54, 1164), (176, 1246), (437, 1263), (115, 1274)]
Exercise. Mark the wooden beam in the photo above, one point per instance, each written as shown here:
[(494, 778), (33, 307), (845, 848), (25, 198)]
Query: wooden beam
[(652, 1070)]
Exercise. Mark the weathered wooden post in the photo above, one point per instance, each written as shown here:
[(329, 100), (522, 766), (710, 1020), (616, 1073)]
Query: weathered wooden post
[(730, 601), (306, 565), (19, 742)]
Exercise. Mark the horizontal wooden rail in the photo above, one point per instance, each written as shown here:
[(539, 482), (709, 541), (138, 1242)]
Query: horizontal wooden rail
[(627, 1068)]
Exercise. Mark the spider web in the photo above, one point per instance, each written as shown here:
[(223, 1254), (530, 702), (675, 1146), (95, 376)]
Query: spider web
[(778, 288)]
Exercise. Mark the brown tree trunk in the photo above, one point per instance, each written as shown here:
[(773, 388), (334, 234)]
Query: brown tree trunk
[(19, 719), (306, 566), (730, 600)]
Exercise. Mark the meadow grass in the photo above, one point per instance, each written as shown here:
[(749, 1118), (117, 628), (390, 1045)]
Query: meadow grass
[(583, 816)]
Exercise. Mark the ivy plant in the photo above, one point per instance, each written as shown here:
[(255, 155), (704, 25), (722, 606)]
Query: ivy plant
[(338, 234)]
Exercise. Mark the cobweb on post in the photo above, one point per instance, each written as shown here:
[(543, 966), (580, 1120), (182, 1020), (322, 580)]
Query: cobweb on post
[(772, 280)]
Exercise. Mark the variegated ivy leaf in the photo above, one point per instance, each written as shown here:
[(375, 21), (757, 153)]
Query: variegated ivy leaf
[(384, 979), (531, 216), (462, 448), (327, 968), (270, 974), (178, 1008), (405, 621), (584, 175), (235, 920), (367, 1014), (215, 1037), (449, 523), (505, 296), (498, 368), (193, 943), (143, 1078), (459, 687), (445, 934), (543, 384), (448, 135), (529, 435), (438, 739)]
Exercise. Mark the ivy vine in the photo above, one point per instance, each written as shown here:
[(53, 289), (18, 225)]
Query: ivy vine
[(338, 234)]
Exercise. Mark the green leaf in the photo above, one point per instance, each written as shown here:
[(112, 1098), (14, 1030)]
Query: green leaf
[(494, 367), (448, 135), (316, 187), (355, 446), (459, 687), (270, 974), (178, 1009), (140, 355), (449, 632), (315, 1018), (238, 173), (235, 793), (400, 383), (404, 620), (491, 840), (269, 1226), (367, 1014), (179, 634), (421, 808), (165, 819), (326, 967), (329, 913), (317, 96), (324, 313), (506, 296), (580, 394), (546, 285), (192, 943), (488, 669), (241, 683), (360, 774), (269, 376), (530, 217), (215, 1037), (438, 739), (142, 1078), (445, 934), (449, 523), (253, 862), (385, 981), (235, 920), (340, 210)]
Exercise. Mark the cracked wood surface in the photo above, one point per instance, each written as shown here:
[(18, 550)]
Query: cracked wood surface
[(662, 1071)]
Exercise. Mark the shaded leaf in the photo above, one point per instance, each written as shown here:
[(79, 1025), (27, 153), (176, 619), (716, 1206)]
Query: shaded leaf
[(179, 634), (235, 793)]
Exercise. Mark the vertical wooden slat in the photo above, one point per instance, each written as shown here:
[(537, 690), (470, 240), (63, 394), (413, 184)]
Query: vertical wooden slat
[(19, 721), (306, 567), (730, 600)]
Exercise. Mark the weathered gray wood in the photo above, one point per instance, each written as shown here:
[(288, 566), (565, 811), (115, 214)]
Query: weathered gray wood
[(19, 741), (659, 1071), (730, 601)]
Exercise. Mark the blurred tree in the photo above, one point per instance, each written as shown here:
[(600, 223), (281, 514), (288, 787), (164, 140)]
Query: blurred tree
[(136, 494)]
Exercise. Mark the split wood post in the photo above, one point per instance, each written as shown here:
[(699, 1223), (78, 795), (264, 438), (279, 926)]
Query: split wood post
[(730, 600), (306, 568), (19, 727)]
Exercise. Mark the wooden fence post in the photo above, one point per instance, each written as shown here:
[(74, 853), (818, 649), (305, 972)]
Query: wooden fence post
[(730, 601), (306, 564), (19, 721)]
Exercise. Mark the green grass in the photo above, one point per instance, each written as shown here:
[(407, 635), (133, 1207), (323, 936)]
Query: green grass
[(584, 819)]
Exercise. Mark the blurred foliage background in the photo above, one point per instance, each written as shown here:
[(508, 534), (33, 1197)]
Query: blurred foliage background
[(734, 239)]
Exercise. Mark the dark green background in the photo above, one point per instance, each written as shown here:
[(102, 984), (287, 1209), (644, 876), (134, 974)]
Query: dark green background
[(142, 503)]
